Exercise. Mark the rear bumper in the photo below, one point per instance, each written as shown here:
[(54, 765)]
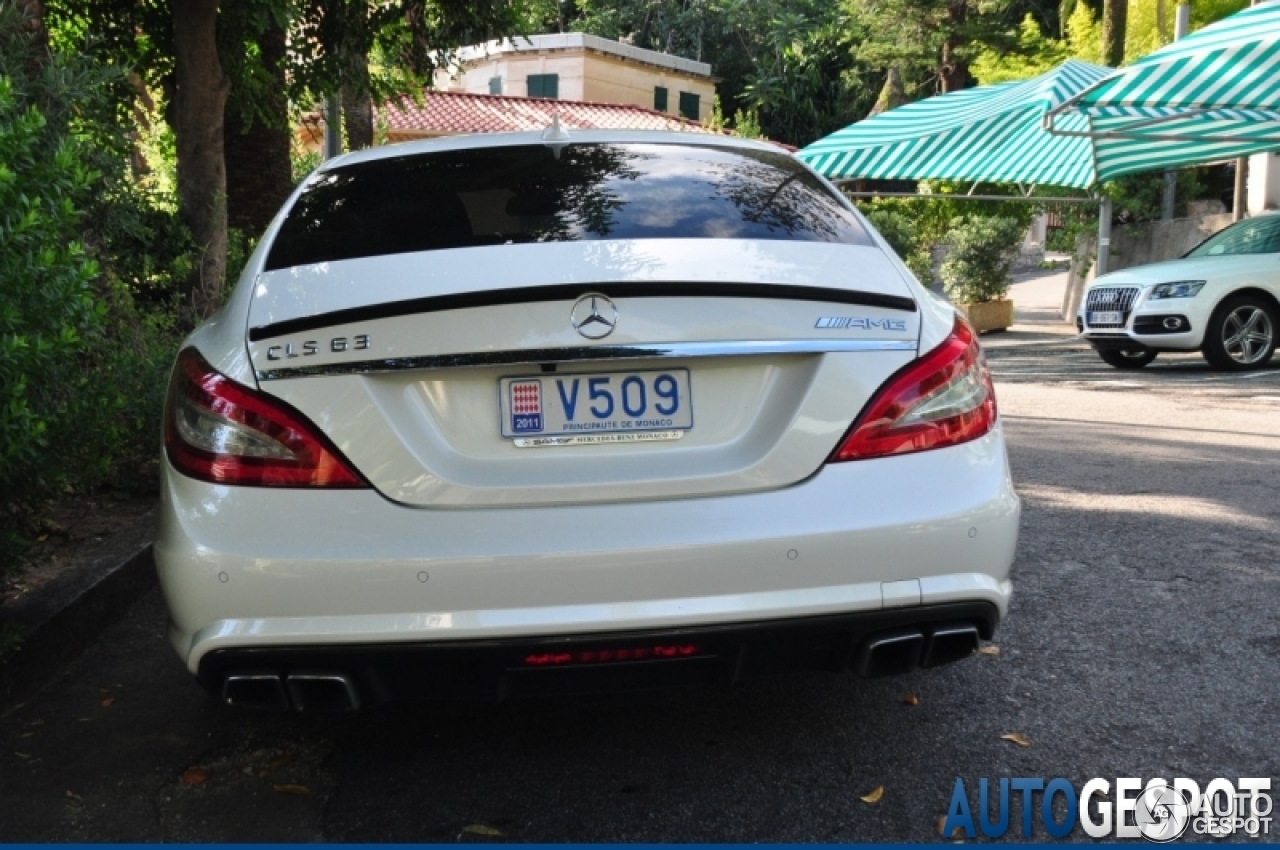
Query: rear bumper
[(345, 677), (250, 568)]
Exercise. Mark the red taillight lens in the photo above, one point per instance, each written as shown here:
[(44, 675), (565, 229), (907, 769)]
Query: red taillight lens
[(219, 431), (942, 399)]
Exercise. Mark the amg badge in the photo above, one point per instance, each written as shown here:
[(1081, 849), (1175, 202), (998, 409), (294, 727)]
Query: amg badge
[(861, 322)]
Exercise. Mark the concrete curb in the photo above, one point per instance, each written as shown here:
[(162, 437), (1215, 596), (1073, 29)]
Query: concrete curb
[(60, 619), (1054, 342)]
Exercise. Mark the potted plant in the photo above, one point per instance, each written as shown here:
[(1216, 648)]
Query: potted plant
[(975, 274)]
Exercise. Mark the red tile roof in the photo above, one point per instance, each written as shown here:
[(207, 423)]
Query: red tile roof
[(451, 113)]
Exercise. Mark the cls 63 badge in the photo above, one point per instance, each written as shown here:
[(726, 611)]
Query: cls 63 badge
[(337, 345)]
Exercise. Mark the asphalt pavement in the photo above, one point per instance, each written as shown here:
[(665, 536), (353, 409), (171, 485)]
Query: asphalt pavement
[(1143, 641)]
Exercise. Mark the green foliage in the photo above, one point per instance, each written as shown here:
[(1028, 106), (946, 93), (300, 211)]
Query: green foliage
[(47, 305), (900, 232), (807, 79), (84, 280), (982, 254), (745, 123), (1032, 55), (932, 217), (917, 36)]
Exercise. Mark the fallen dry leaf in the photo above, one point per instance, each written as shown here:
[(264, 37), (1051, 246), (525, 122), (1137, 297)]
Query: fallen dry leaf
[(1018, 738), (108, 702), (22, 755), (990, 649), (74, 796), (874, 796), (481, 829), (42, 538), (956, 831), (289, 788), (911, 699), (195, 776)]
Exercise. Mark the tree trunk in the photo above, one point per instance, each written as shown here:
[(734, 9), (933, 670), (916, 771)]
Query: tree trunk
[(259, 167), (32, 13), (200, 98), (954, 73), (892, 95), (357, 108), (1114, 17)]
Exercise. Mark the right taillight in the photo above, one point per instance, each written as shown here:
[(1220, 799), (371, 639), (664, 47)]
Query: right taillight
[(222, 432), (942, 399)]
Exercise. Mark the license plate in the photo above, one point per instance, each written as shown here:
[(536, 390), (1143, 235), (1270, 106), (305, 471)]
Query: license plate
[(1108, 318), (616, 407)]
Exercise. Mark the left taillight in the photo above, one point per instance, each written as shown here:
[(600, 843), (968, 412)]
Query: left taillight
[(942, 399), (219, 431)]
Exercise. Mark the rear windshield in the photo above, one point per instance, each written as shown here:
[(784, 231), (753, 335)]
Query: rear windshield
[(1251, 236), (580, 192)]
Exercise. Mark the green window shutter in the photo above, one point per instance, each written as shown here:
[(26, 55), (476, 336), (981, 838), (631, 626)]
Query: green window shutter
[(689, 105), (660, 98), (544, 85), (495, 85)]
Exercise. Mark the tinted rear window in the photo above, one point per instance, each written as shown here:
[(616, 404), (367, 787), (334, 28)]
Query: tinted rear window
[(513, 195)]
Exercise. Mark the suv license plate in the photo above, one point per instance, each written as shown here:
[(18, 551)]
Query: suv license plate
[(594, 408), (1110, 318)]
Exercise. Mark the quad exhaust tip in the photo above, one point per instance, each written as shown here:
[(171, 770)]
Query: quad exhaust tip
[(302, 690), (902, 651)]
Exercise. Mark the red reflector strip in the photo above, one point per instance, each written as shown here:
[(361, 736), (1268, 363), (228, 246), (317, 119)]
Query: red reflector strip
[(604, 656)]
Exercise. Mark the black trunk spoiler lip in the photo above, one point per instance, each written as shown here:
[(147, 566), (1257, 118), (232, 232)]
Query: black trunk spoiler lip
[(569, 291)]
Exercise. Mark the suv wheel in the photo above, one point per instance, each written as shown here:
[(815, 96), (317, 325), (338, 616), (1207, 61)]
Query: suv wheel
[(1241, 334), (1127, 358)]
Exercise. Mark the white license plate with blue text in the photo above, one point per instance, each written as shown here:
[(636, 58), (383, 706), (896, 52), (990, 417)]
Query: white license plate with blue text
[(593, 409), (1106, 318)]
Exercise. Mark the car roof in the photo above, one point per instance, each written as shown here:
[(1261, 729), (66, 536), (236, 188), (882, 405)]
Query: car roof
[(497, 140)]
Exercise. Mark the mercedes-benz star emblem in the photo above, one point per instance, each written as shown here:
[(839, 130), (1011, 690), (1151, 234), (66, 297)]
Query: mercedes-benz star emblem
[(594, 316)]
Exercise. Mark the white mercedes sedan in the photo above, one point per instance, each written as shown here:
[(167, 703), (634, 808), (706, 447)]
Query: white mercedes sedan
[(497, 416), (1221, 299)]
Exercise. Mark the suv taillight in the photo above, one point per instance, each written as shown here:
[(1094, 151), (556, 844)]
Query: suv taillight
[(942, 399), (218, 431)]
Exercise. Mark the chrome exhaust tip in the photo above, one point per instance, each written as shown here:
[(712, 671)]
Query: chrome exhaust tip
[(322, 691), (950, 643), (889, 654), (262, 691)]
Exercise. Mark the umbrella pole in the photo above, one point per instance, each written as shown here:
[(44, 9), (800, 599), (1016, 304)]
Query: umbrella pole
[(1181, 26), (1104, 236)]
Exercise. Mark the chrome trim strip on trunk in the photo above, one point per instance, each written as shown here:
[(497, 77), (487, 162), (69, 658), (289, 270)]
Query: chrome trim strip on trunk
[(570, 291), (728, 348)]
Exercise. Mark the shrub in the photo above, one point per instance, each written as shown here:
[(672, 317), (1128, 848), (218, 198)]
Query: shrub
[(901, 234), (982, 254), (85, 294), (47, 305)]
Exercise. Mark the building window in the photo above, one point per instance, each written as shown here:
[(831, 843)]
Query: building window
[(544, 85), (689, 104), (660, 98), (495, 85)]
